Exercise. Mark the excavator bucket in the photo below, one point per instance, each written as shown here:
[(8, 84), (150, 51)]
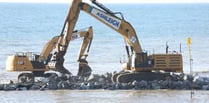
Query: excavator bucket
[(84, 69)]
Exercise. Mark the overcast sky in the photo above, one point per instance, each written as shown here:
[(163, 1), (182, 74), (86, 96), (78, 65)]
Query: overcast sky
[(114, 1)]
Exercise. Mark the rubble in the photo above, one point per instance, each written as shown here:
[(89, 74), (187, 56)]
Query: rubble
[(97, 81)]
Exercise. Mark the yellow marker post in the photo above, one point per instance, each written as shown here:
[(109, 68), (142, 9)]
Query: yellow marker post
[(189, 42)]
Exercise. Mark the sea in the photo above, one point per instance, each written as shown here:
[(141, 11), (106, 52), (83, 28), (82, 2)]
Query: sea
[(26, 27)]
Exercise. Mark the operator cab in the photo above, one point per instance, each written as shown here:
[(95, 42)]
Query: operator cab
[(142, 60)]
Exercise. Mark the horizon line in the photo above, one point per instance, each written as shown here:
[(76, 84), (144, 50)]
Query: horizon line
[(116, 3)]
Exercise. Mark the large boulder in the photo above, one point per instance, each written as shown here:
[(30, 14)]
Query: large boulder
[(140, 84), (205, 87), (63, 85), (1, 86), (35, 87), (155, 84), (9, 87)]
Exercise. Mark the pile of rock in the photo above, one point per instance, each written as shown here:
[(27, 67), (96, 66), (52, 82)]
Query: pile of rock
[(96, 81)]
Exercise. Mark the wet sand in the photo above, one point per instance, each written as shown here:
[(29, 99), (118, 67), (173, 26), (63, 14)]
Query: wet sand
[(104, 96)]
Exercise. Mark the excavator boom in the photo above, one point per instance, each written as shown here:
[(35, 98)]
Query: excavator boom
[(119, 25)]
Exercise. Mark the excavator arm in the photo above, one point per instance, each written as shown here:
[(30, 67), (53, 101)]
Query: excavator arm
[(86, 44)]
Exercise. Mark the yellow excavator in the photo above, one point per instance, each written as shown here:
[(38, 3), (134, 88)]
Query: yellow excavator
[(140, 65), (39, 64)]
